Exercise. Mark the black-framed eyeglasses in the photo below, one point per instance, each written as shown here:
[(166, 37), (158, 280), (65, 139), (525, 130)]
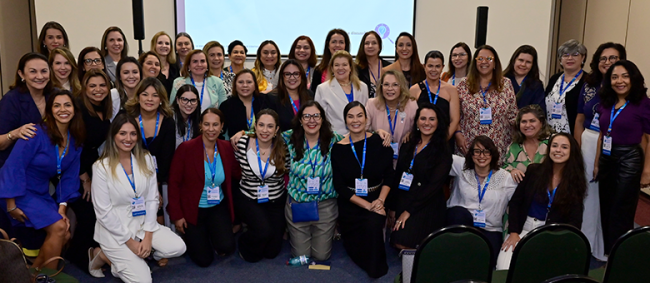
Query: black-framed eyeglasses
[(289, 75), (612, 59), (485, 152), (188, 101), (307, 117), (96, 61)]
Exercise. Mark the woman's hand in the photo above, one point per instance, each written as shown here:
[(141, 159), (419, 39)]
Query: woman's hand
[(86, 184), (25, 132), (180, 224), (406, 137), (235, 139), (134, 246), (517, 175), (512, 240), (62, 212), (645, 179), (377, 204), (18, 214), (401, 221), (145, 246), (385, 136), (596, 174), (461, 142)]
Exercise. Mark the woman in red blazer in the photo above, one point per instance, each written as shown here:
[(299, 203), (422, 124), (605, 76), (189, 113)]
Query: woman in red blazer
[(200, 194)]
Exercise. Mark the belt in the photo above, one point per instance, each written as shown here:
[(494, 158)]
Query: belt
[(370, 189)]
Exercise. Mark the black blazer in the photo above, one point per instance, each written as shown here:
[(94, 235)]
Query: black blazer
[(364, 75), (168, 82), (285, 111), (316, 80), (523, 198), (571, 99), (235, 113)]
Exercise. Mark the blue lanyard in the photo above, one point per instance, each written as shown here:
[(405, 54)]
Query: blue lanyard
[(378, 71), (414, 154), (429, 91), (294, 104), (522, 81), (612, 117), (213, 164), (551, 197), (132, 182), (259, 161), (484, 91), (249, 122), (453, 80), (202, 87), (59, 158), (315, 162), (562, 89), (351, 95), (361, 163), (392, 125), (231, 69), (189, 128), (481, 194), (155, 133), (307, 76)]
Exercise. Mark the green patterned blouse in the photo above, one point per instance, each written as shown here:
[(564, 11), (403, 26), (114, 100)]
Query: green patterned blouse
[(300, 170), (516, 158)]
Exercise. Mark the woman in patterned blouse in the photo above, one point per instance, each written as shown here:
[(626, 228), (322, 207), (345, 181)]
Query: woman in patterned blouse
[(488, 103), (529, 142)]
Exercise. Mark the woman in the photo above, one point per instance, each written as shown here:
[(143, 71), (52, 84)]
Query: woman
[(552, 192), (304, 51), (161, 45), (207, 226), (241, 108), (64, 70), (445, 96), (90, 58), (266, 67), (261, 197), (337, 39), (563, 88), (150, 63), (529, 141), (408, 60), (488, 102), (368, 62), (187, 114), (114, 47), (125, 203), (237, 55), (523, 73), (197, 72), (622, 167), (215, 52), (343, 88), (290, 94), (363, 183), (394, 104), (184, 45), (586, 133), (25, 185), (419, 200), (52, 35), (485, 209), (129, 75), (458, 63)]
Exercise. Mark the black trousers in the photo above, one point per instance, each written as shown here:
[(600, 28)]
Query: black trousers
[(619, 183), (82, 239), (212, 232), (459, 215), (266, 224)]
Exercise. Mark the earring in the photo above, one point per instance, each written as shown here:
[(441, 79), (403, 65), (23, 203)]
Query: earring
[(22, 79), (221, 132), (418, 128)]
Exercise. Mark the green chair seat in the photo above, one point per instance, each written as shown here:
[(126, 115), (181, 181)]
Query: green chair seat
[(630, 258)]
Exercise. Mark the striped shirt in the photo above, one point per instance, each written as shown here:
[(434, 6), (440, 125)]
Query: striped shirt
[(250, 172)]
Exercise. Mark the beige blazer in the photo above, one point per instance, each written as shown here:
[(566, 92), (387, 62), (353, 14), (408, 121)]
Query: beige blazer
[(331, 97)]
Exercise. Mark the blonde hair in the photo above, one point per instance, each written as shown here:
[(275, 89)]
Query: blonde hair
[(171, 59), (75, 84), (404, 95), (112, 153), (353, 70), (132, 106)]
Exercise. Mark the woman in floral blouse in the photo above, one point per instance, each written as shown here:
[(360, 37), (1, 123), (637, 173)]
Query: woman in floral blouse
[(529, 142)]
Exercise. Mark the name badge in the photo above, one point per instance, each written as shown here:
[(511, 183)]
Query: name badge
[(155, 163), (361, 187), (394, 146), (405, 182), (313, 185), (263, 194), (595, 123), (607, 145), (486, 115), (137, 207), (214, 195), (479, 218), (556, 111)]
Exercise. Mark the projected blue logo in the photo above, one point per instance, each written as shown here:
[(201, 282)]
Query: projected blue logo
[(383, 31)]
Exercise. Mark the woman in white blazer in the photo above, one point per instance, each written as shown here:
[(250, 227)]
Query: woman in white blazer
[(343, 88), (125, 197)]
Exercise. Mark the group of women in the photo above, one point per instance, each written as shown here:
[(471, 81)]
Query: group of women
[(310, 151)]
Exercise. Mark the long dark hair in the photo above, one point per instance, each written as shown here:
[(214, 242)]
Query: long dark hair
[(20, 83), (278, 151), (362, 58), (439, 138), (283, 94), (451, 69), (573, 186), (490, 146), (119, 85), (473, 82), (104, 46), (417, 70), (41, 37), (608, 96), (325, 133), (76, 126), (533, 74), (327, 54), (106, 104), (193, 118), (595, 77), (82, 65), (311, 62)]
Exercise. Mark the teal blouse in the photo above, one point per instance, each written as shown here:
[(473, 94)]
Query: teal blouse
[(219, 177)]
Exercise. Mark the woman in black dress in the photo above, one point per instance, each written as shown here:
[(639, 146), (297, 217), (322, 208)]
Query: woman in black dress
[(362, 172)]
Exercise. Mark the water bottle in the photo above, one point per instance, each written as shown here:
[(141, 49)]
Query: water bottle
[(298, 261)]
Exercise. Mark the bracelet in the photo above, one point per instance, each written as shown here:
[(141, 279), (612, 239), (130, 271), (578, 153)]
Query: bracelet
[(85, 181), (12, 209), (9, 137), (380, 199), (64, 204)]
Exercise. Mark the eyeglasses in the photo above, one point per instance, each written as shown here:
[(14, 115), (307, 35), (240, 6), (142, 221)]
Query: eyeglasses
[(307, 117), (612, 59), (574, 54), (478, 152), (482, 59), (92, 61), (387, 85), (289, 75), (188, 101), (458, 55)]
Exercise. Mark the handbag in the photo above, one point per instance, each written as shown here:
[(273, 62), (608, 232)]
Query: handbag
[(14, 267), (305, 211)]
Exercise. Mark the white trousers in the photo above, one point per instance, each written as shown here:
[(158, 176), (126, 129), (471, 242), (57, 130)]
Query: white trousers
[(591, 225), (503, 261)]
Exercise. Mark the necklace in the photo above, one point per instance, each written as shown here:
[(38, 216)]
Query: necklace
[(342, 84)]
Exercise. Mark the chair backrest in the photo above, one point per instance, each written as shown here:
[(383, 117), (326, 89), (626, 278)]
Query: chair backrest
[(630, 257), (572, 278), (453, 253), (549, 251)]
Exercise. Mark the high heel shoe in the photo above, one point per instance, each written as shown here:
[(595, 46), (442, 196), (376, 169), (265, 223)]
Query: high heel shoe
[(97, 273)]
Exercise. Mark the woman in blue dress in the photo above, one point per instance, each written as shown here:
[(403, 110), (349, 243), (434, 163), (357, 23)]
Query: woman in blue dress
[(24, 185)]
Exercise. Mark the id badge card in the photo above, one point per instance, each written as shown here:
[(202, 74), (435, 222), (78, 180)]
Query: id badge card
[(607, 145), (556, 111), (486, 115), (313, 185), (595, 123), (262, 194), (405, 182), (214, 195), (394, 146), (137, 207), (361, 187), (155, 163), (479, 218)]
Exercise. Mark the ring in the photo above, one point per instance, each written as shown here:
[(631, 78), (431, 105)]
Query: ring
[(398, 221)]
